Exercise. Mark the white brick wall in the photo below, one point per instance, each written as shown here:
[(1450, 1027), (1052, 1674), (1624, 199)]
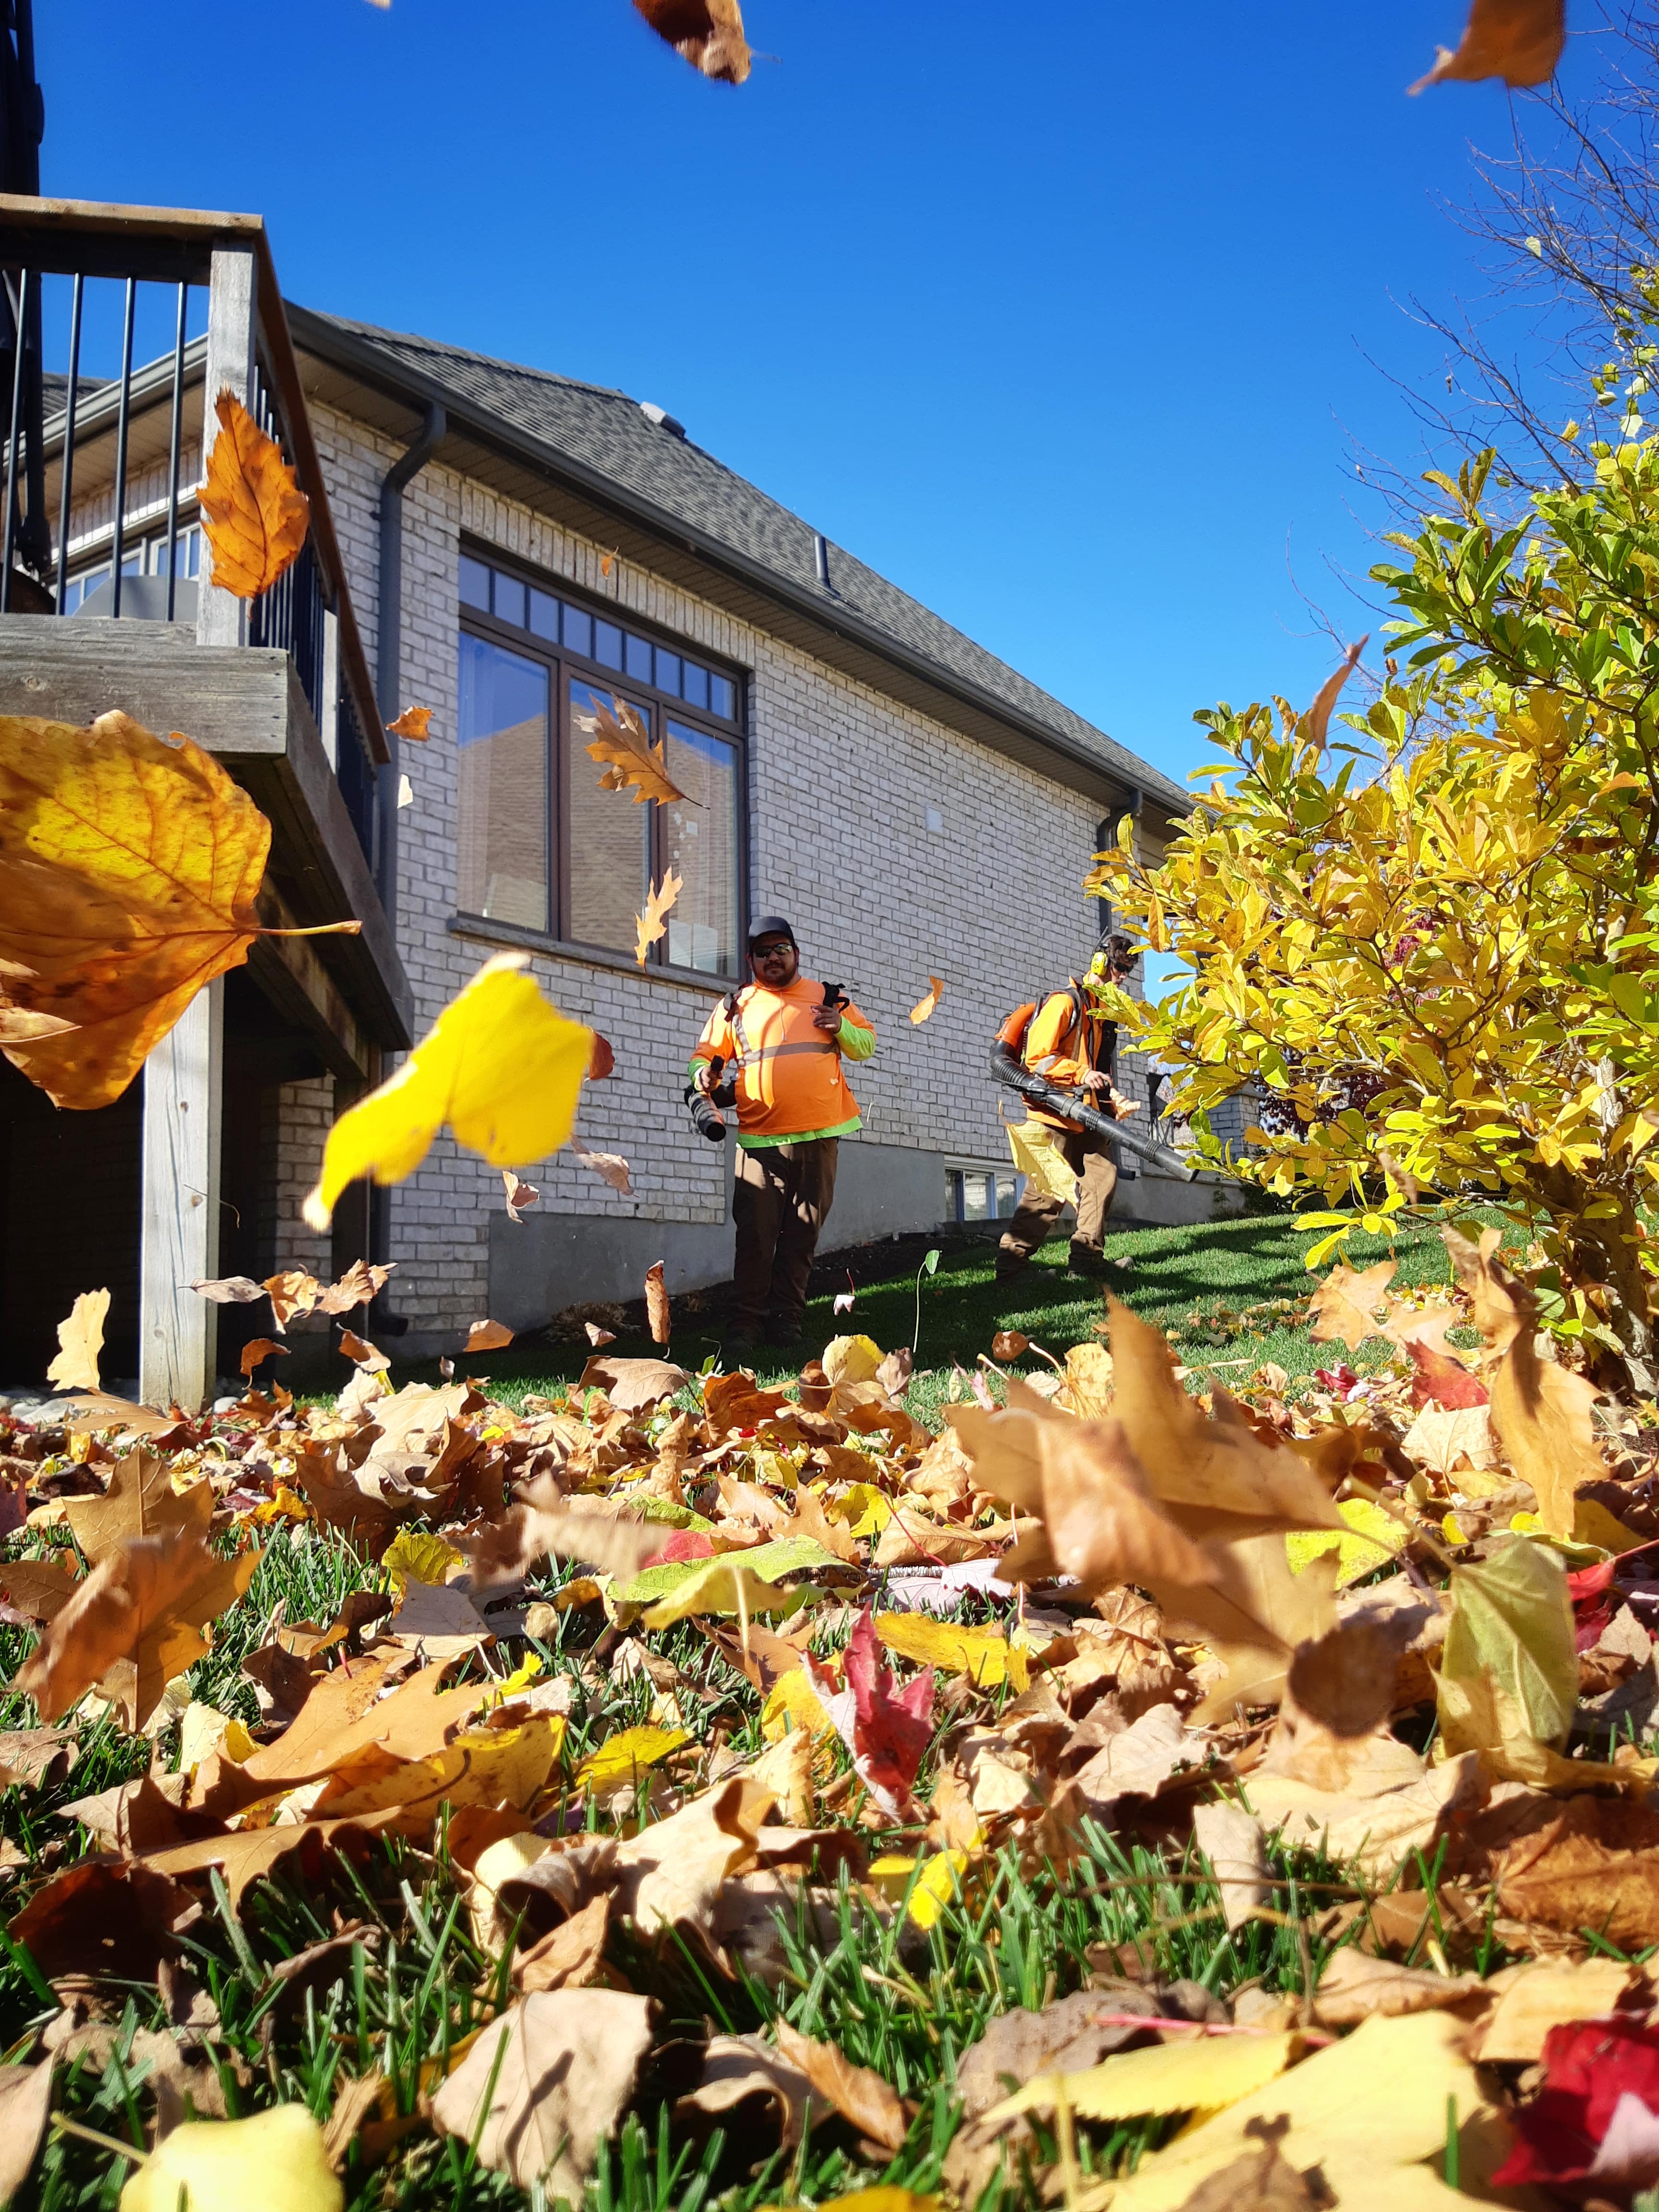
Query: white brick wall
[(843, 779)]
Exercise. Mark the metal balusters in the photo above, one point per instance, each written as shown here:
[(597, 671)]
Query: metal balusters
[(67, 484), (173, 453), (125, 411), (19, 301)]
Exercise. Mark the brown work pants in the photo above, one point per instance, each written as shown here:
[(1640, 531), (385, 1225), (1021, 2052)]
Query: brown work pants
[(1032, 1227), (780, 1203)]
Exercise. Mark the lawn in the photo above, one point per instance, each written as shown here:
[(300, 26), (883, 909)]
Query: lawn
[(1229, 1294)]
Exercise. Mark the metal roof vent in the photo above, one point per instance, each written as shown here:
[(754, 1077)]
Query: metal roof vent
[(662, 418)]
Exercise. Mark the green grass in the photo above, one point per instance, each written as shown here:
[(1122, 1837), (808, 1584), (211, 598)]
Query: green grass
[(1198, 1284)]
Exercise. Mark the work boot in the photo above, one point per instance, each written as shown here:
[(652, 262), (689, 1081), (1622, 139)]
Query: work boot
[(1009, 1265), (785, 1335), (737, 1351), (1085, 1261)]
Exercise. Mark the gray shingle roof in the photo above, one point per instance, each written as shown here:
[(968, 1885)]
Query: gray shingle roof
[(608, 431)]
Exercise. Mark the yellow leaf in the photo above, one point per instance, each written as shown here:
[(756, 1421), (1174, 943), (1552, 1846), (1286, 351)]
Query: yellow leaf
[(852, 1359), (283, 1504), (491, 1767), (79, 1339), (1452, 1530), (129, 868), (723, 1585), (1366, 2111), (1592, 1524), (417, 1556), (620, 1758), (1037, 1157), (982, 1654), (1509, 1671), (650, 926), (522, 1676), (499, 1066), (254, 515), (1376, 1537), (924, 1008), (274, 2160), (936, 1884), (866, 1509), (1205, 2076), (792, 1702)]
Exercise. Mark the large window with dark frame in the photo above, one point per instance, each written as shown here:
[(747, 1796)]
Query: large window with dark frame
[(543, 844)]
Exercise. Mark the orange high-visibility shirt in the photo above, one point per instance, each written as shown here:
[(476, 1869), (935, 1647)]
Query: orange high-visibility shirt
[(790, 1082), (1075, 1045)]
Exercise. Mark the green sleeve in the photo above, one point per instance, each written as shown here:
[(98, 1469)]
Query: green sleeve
[(856, 1044)]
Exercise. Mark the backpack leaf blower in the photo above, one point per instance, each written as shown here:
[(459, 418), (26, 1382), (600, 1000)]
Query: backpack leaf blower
[(1009, 1069)]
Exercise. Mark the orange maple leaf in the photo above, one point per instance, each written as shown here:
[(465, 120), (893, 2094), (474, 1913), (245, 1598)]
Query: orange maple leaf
[(254, 513)]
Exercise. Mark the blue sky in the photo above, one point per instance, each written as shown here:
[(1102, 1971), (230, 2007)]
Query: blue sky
[(1065, 317)]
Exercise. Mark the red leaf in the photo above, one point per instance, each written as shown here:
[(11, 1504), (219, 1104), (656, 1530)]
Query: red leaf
[(1438, 1381), (1589, 2066), (887, 1730), (1338, 1381), (684, 1544)]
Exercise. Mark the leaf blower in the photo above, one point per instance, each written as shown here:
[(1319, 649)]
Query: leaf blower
[(1009, 1067)]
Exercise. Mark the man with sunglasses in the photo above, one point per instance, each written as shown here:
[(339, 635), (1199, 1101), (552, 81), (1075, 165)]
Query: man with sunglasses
[(1073, 1041), (786, 1037)]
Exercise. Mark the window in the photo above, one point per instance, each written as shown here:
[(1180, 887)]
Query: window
[(543, 843), (981, 1194)]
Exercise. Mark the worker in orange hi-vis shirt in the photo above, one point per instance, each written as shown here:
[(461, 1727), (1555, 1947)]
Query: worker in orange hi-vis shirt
[(1070, 1040), (775, 1050)]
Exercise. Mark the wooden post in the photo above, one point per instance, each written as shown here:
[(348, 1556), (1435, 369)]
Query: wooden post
[(178, 1333), (232, 331)]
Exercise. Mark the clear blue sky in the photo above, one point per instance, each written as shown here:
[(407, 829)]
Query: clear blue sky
[(1062, 316)]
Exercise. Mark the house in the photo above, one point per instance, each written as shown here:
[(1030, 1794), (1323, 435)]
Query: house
[(510, 548)]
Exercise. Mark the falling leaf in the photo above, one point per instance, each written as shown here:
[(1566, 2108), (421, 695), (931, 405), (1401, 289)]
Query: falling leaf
[(129, 865), (656, 1302), (843, 1302), (254, 513), (1540, 1414), (276, 2160), (611, 1168), (414, 722), (133, 1624), (545, 2084), (857, 2094), (597, 1336), (621, 739), (80, 1338), (230, 1290), (363, 1354), (1343, 1309), (292, 1292), (1008, 1344), (257, 1350), (518, 1192), (650, 925), (1519, 40), (500, 1066), (361, 1282), (604, 1058), (708, 34), (632, 1385), (923, 1009), (1509, 1672), (1500, 1305), (1317, 720), (488, 1336)]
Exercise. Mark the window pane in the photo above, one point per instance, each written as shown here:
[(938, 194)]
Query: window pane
[(503, 741), (723, 697), (701, 840), (639, 659), (668, 671), (544, 615), (609, 838), (475, 583), (579, 632), (697, 685), (509, 600), (607, 645)]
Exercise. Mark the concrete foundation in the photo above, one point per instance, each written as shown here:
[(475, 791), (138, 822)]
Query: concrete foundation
[(1158, 1201)]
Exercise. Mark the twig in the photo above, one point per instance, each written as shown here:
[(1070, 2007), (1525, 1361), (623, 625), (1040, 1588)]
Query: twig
[(65, 2126)]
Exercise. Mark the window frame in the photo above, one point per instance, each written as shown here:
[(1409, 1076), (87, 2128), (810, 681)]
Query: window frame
[(565, 666)]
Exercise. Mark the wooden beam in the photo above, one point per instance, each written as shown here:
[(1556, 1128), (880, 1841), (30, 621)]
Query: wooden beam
[(302, 990), (177, 1335)]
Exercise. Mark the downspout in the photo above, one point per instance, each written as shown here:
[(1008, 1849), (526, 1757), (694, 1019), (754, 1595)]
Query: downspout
[(390, 655), (387, 685)]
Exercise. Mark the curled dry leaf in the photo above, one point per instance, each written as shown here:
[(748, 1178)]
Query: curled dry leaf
[(414, 722), (254, 515), (924, 1008), (656, 1302), (1541, 1416), (500, 1067), (363, 1354), (80, 1341), (611, 1168), (488, 1336), (1345, 1307), (858, 2095), (708, 34), (25, 2101), (1317, 720), (603, 1059), (621, 739), (650, 926), (1519, 40), (597, 1336), (257, 1350), (519, 1193), (230, 1290), (1008, 1343)]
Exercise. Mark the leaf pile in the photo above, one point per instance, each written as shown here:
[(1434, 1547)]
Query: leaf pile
[(757, 1767)]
